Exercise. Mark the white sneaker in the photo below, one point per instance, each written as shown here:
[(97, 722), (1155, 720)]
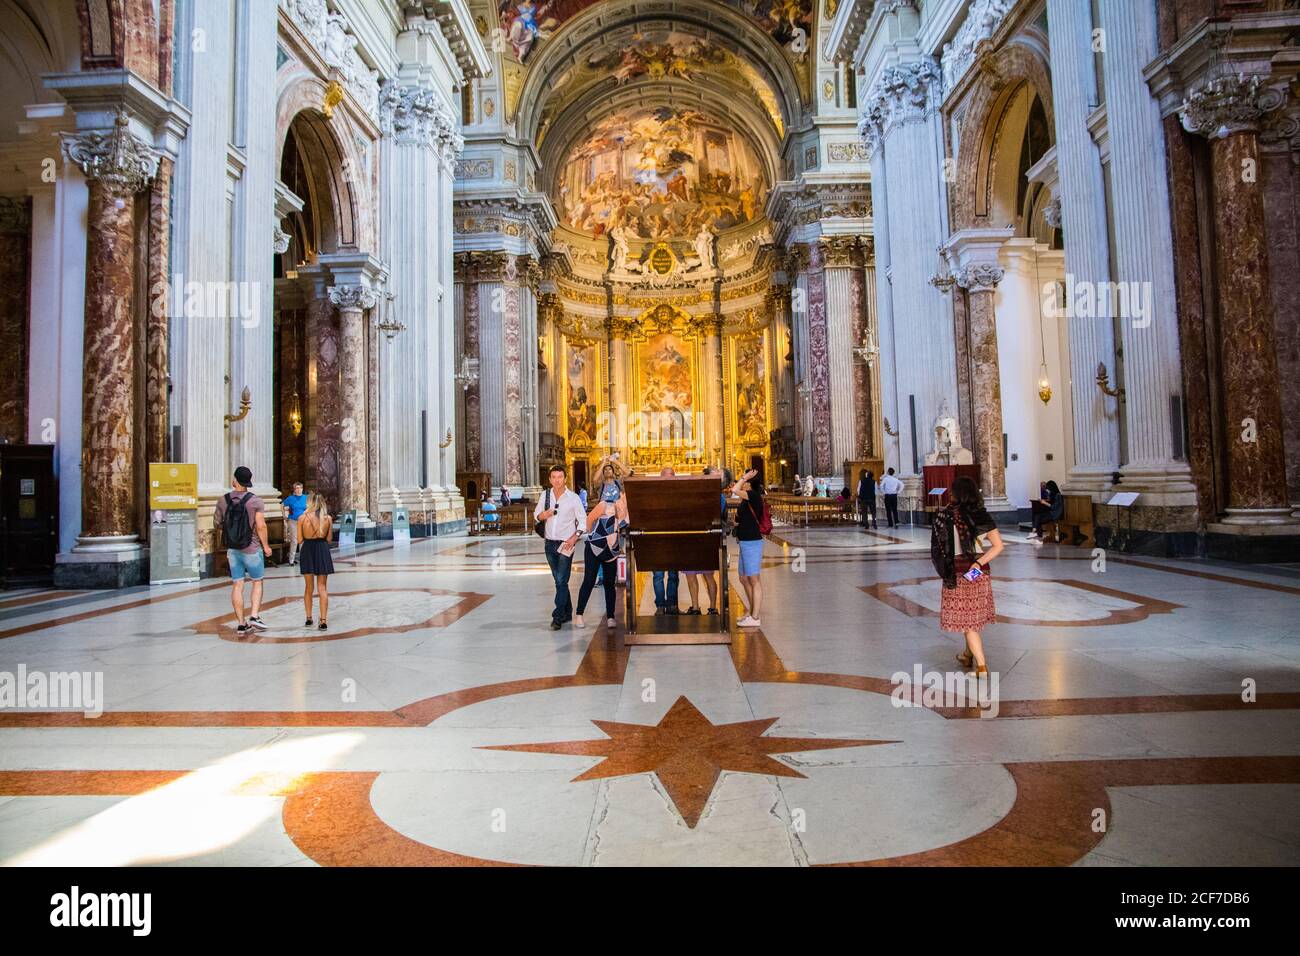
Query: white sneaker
[(749, 621), (578, 621), (610, 624)]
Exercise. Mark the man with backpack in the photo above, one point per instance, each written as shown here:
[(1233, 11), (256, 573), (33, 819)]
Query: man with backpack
[(241, 516)]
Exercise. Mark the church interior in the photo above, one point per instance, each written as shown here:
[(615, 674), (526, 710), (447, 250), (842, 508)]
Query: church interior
[(426, 277)]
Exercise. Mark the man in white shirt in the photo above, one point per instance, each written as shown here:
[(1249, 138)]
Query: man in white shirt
[(890, 486), (561, 509)]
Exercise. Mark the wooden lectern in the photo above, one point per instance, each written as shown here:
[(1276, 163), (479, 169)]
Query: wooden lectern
[(675, 524)]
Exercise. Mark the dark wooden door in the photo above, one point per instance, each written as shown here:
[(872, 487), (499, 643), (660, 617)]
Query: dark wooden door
[(29, 513)]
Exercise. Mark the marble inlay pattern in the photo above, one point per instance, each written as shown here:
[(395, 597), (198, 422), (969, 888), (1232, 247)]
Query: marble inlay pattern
[(157, 321), (467, 711)]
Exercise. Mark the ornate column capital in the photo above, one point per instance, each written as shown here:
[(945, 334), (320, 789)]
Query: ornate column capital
[(120, 161), (352, 297), (1052, 213), (901, 94), (797, 258), (487, 266), (1228, 105), (980, 277), (840, 251)]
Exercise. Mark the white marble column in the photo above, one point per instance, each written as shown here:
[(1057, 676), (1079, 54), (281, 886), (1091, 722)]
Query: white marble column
[(442, 371), (888, 360), (1087, 249), (1143, 257), (900, 123)]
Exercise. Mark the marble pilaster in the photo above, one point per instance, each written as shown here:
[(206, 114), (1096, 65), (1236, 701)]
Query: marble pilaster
[(1143, 259), (1087, 254)]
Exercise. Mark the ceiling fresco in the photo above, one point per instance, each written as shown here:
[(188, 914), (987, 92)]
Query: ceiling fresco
[(525, 23), (660, 173), (660, 53)]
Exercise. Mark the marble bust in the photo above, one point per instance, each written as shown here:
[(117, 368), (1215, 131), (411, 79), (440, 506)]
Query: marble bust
[(948, 448)]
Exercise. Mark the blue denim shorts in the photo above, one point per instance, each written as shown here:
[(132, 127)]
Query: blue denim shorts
[(242, 564), (751, 558)]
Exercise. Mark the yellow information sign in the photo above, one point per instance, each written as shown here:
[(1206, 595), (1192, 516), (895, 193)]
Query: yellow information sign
[(173, 487)]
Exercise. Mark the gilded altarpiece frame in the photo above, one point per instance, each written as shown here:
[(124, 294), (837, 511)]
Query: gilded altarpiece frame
[(749, 396)]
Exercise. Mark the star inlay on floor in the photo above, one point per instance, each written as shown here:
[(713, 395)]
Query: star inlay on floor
[(687, 752)]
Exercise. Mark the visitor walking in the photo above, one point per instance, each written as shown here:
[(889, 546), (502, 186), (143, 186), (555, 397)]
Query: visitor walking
[(562, 512), (890, 487), (241, 516), (750, 535), (603, 524), (867, 498), (963, 543), (316, 563), (294, 506)]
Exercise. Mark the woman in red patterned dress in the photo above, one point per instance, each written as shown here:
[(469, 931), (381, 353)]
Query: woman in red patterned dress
[(968, 607)]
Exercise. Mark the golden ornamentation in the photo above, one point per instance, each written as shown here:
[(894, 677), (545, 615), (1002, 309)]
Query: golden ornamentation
[(1103, 383), (245, 403), (446, 442), (333, 97)]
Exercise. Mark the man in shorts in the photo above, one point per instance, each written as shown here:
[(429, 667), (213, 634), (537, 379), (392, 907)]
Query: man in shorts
[(250, 560)]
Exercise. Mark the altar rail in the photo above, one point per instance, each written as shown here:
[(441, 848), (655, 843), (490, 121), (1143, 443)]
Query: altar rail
[(798, 510)]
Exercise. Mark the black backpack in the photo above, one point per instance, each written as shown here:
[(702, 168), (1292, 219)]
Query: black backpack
[(941, 551), (234, 525)]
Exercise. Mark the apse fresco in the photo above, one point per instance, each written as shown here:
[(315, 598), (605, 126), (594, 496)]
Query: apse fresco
[(526, 22), (581, 413), (751, 391), (660, 173), (666, 388)]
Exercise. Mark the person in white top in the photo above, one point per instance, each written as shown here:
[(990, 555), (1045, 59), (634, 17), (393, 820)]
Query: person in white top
[(561, 509), (890, 486)]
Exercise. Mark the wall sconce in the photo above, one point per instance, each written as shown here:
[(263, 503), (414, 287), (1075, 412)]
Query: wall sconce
[(943, 280), (446, 442), (245, 403), (1044, 385), (386, 323), (1103, 383), (295, 414), (468, 375), (868, 350), (891, 432)]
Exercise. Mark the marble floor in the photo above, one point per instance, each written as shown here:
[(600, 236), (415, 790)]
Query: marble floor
[(1142, 711)]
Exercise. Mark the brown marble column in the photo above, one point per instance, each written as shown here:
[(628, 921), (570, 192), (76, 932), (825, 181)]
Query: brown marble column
[(1230, 111), (157, 373), (980, 282), (321, 413), (15, 252), (352, 301), (117, 165), (465, 268)]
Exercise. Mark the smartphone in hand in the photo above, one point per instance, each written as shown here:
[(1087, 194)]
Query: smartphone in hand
[(974, 574)]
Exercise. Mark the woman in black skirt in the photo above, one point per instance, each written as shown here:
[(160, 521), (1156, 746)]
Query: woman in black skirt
[(314, 559)]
